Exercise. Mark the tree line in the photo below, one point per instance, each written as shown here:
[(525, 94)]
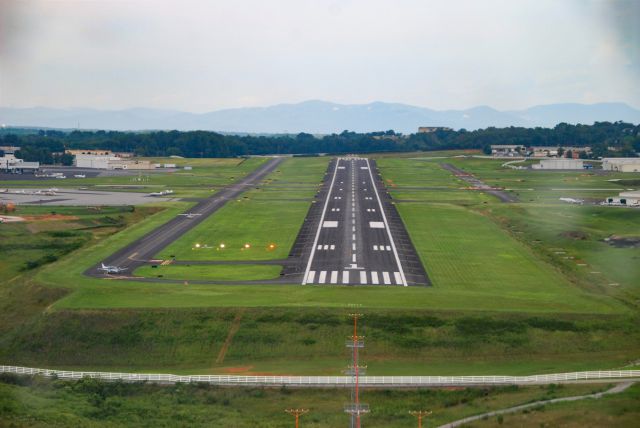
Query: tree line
[(48, 146)]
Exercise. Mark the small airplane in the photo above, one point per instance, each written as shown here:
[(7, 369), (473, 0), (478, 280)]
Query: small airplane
[(190, 215), (111, 269), (80, 176), (572, 201), (163, 193)]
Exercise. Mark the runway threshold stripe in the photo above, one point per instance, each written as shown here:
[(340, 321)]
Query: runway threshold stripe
[(398, 278), (323, 277), (363, 277), (311, 276), (345, 277), (374, 278), (334, 277), (386, 278)]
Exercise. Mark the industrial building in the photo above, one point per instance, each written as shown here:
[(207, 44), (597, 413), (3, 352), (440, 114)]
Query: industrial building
[(11, 164), (508, 150), (628, 198), (430, 129), (559, 164), (621, 164)]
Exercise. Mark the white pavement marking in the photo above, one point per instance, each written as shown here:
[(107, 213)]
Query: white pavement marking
[(353, 258), (388, 248), (376, 225), (345, 277), (384, 218), (333, 247), (323, 276), (353, 228), (311, 276), (319, 247), (375, 248), (328, 223), (324, 211), (374, 278), (353, 246), (334, 277), (363, 277), (326, 247), (353, 237), (398, 278), (386, 278)]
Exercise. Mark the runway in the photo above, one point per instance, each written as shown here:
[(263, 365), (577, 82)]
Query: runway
[(356, 236), (144, 249)]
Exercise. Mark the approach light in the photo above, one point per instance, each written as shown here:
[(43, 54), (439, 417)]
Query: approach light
[(272, 246), (197, 245), (247, 246), (221, 245)]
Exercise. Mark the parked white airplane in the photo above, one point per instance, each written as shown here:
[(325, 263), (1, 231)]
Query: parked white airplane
[(111, 269), (80, 176), (190, 215), (572, 201), (163, 193)]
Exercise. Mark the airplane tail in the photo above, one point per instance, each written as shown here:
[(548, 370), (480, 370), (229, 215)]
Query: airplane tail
[(103, 266)]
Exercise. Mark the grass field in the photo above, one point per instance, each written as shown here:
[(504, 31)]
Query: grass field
[(502, 301), (209, 272), (42, 402)]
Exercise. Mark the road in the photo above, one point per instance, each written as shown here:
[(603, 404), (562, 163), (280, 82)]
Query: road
[(356, 236), (144, 249), (621, 387)]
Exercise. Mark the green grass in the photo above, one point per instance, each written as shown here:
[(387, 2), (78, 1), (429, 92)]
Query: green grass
[(207, 176), (45, 402), (211, 272)]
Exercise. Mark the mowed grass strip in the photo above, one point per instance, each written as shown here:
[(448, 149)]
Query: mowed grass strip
[(465, 251), (255, 229), (242, 230), (211, 272)]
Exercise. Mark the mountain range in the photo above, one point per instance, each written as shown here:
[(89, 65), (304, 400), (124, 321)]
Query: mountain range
[(316, 117)]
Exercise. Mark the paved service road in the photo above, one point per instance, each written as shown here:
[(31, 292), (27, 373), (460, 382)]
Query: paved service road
[(144, 249), (353, 242)]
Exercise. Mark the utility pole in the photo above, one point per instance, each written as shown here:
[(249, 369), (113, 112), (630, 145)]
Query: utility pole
[(420, 414), (297, 413), (355, 342)]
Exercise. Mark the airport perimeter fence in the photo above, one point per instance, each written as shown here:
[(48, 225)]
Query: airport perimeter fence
[(333, 381)]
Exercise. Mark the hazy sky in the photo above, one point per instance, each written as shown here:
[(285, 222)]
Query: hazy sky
[(207, 55)]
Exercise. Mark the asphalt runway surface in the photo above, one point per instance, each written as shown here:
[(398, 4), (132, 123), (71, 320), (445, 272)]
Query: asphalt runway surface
[(353, 234), (143, 250)]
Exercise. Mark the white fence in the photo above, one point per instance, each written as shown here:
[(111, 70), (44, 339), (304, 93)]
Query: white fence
[(335, 381)]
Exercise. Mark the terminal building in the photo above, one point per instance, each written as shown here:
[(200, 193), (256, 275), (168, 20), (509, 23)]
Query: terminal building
[(621, 164)]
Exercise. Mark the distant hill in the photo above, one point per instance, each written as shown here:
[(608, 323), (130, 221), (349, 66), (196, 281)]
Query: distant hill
[(318, 117)]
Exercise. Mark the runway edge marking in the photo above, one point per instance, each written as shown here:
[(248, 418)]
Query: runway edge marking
[(324, 210), (384, 218)]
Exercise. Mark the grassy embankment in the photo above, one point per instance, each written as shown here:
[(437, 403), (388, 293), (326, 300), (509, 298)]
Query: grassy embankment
[(42, 402)]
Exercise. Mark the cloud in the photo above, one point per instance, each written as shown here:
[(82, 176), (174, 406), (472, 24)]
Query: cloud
[(203, 55)]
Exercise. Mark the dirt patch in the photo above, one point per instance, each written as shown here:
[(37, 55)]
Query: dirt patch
[(623, 241), (50, 217), (575, 234)]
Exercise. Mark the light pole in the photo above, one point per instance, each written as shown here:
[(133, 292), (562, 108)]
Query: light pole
[(297, 413), (420, 414)]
